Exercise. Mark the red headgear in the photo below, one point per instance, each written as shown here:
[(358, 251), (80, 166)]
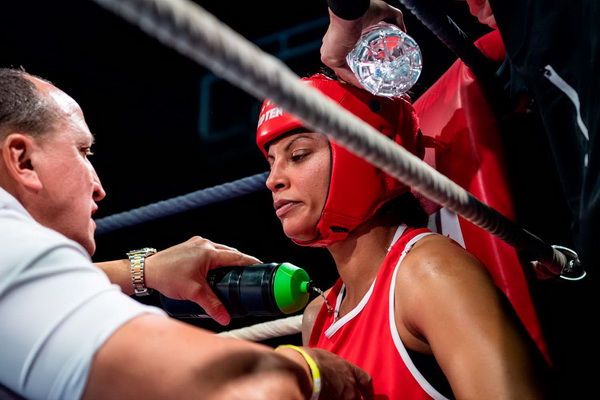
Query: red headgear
[(357, 189)]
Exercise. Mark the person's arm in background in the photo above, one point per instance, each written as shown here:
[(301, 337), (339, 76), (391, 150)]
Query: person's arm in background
[(482, 10), (179, 272), (347, 21)]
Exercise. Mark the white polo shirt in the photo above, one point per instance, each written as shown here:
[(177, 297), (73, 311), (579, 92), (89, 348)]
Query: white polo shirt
[(56, 308)]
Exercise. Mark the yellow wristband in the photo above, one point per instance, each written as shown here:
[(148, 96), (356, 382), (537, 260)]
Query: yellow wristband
[(316, 374)]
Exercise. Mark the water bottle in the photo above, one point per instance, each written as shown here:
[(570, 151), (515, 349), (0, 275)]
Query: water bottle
[(255, 290), (386, 61)]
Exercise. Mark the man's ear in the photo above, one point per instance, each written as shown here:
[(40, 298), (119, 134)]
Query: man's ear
[(16, 154)]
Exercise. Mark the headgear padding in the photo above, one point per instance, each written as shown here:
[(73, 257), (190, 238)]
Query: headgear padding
[(357, 189)]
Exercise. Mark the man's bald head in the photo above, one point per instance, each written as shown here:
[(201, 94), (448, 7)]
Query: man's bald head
[(22, 107)]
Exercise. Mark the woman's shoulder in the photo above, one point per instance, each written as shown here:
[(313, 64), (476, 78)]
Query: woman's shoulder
[(436, 259), (438, 277)]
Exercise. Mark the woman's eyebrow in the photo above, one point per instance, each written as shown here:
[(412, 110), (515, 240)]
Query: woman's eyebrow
[(297, 138)]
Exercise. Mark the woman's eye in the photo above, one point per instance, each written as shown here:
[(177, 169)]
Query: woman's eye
[(299, 156)]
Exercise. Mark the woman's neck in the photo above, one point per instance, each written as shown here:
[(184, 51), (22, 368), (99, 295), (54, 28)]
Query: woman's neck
[(359, 257)]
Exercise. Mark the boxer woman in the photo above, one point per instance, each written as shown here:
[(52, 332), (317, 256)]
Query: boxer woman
[(412, 308)]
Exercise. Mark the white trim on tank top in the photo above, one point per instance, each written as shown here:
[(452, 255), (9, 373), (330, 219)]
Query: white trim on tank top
[(338, 323), (425, 385)]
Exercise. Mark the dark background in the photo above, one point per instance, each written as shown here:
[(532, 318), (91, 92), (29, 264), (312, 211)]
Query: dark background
[(166, 126)]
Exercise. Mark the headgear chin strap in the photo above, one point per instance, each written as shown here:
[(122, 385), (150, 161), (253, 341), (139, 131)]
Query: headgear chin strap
[(357, 189)]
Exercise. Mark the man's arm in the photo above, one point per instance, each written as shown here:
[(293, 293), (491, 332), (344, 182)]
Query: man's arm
[(179, 272), (158, 357), (176, 359)]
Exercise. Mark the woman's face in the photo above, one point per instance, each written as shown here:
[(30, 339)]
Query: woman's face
[(299, 181)]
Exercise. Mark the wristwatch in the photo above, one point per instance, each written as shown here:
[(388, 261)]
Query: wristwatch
[(138, 259)]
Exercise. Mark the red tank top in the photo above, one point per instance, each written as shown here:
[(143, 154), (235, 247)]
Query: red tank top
[(367, 336)]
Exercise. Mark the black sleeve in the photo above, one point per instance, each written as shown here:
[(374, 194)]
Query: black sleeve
[(349, 9)]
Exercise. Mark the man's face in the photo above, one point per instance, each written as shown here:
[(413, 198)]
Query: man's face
[(70, 185)]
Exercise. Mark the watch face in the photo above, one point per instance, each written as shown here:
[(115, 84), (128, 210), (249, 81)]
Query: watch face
[(147, 250)]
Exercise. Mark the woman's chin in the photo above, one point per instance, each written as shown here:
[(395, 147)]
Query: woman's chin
[(300, 235)]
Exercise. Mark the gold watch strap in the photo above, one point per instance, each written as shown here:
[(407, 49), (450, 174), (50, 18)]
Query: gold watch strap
[(138, 261)]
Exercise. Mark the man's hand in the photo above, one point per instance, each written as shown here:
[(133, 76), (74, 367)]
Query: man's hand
[(340, 379), (342, 35), (179, 272)]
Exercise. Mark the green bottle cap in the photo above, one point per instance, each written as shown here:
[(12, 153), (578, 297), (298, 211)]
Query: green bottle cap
[(290, 288)]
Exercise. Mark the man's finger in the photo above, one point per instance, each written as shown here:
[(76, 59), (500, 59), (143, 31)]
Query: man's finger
[(364, 384), (232, 258), (209, 301)]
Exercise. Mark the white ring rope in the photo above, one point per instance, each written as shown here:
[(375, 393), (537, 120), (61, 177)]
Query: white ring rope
[(188, 28), (267, 330)]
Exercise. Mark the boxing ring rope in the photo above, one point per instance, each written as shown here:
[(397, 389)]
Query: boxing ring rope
[(195, 33), (267, 330), (451, 35), (183, 203)]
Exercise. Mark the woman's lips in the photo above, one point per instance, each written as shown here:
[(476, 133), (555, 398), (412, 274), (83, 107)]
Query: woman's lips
[(282, 208)]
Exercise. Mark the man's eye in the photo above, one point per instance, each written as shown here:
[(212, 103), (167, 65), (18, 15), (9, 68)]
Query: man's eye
[(87, 151)]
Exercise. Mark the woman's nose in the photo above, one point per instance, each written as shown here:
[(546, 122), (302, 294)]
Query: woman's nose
[(277, 179)]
